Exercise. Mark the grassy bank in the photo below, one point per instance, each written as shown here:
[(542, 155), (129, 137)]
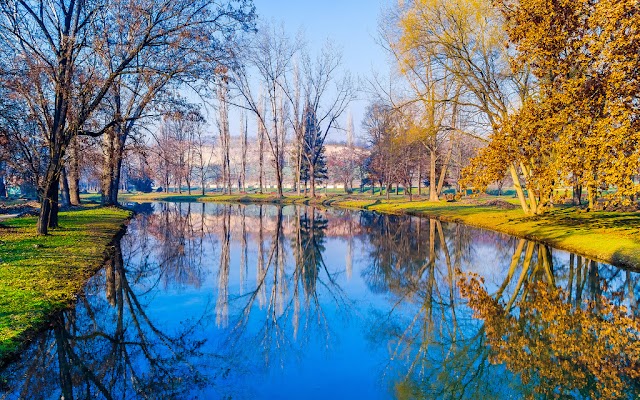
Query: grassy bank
[(40, 275), (610, 237)]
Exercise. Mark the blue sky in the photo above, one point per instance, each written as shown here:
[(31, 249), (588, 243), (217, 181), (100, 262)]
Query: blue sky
[(350, 24)]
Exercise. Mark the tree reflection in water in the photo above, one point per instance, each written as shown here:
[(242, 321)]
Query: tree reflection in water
[(108, 347), (290, 274), (566, 328), (435, 348), (580, 341)]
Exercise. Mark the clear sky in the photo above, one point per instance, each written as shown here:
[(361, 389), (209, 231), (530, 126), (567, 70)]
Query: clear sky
[(350, 24)]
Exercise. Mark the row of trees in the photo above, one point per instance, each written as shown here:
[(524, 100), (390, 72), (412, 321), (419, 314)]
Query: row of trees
[(453, 84), (550, 88), (98, 68), (288, 90), (579, 127), (111, 95)]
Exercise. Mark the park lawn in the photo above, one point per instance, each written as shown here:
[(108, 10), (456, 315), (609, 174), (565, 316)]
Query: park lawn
[(610, 237), (40, 275)]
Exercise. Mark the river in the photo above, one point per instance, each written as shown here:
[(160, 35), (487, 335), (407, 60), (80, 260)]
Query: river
[(266, 302)]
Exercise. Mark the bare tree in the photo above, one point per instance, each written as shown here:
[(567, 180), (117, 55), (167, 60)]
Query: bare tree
[(55, 49), (244, 132), (225, 134), (269, 54), (203, 162)]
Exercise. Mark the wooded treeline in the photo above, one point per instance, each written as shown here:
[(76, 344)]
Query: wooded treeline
[(548, 89), (540, 95)]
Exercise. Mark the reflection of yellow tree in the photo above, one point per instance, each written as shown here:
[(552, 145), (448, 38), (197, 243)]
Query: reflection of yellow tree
[(557, 348)]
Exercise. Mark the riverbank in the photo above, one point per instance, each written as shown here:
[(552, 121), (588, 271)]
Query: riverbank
[(40, 275), (611, 237)]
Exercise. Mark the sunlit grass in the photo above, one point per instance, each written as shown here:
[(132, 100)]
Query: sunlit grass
[(43, 274)]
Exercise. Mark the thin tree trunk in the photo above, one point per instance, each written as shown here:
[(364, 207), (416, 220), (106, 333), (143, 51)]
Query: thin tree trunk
[(279, 180), (519, 191), (261, 159), (243, 173), (443, 171), (419, 178), (312, 179), (3, 186)]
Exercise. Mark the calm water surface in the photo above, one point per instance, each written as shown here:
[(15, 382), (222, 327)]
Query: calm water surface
[(261, 302)]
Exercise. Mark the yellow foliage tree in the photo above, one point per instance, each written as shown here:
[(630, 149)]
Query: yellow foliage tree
[(466, 41), (584, 55)]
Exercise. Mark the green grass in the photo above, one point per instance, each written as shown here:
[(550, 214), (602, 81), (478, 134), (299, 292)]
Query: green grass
[(43, 274), (605, 236)]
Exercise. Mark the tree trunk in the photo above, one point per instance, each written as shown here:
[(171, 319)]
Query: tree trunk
[(279, 179), (519, 191), (112, 168), (74, 172), (443, 171), (115, 183), (66, 199), (3, 186), (433, 191), (591, 197), (577, 195), (419, 178), (261, 160), (48, 217), (312, 178), (533, 201)]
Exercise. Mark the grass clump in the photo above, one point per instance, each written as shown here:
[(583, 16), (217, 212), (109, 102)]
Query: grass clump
[(43, 274)]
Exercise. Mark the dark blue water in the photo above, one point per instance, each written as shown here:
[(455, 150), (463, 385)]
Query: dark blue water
[(261, 302)]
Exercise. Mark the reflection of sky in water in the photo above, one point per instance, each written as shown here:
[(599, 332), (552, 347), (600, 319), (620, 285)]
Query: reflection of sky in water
[(370, 313)]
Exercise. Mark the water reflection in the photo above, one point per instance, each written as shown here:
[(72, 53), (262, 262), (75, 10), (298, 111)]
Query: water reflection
[(109, 347), (567, 327), (235, 301)]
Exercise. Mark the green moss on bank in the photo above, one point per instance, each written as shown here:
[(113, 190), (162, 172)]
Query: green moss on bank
[(43, 274), (605, 236)]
